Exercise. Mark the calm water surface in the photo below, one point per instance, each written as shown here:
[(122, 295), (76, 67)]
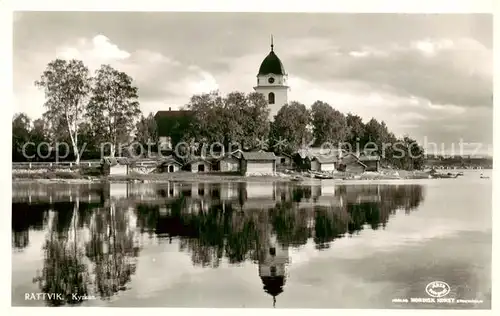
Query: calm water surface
[(309, 245)]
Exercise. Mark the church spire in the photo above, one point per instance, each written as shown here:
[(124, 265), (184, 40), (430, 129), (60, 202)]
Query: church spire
[(272, 45)]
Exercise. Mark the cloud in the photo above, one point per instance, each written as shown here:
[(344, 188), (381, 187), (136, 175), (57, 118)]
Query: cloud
[(442, 70), (161, 80), (97, 50)]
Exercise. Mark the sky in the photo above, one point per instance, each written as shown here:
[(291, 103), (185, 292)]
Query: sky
[(428, 76)]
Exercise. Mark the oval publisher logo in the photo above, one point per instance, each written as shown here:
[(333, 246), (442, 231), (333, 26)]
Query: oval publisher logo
[(437, 289)]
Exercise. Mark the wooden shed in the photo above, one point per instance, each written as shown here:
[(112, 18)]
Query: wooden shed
[(115, 166), (229, 163), (199, 165), (351, 163), (170, 164), (323, 163), (372, 162), (284, 161), (258, 163)]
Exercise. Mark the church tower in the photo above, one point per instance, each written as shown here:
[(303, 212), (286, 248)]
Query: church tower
[(272, 82)]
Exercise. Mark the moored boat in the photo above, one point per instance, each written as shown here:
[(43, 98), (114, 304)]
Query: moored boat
[(448, 175)]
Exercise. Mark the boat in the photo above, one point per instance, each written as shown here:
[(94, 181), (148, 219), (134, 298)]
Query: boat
[(320, 175), (296, 178), (448, 175), (323, 176)]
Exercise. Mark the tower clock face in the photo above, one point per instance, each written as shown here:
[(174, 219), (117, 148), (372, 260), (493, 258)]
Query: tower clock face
[(271, 80)]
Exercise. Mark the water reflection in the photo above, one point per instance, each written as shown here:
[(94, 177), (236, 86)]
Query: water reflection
[(93, 232)]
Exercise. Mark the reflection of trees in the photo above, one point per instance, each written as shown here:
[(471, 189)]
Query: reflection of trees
[(223, 230), (290, 224), (100, 264), (328, 225), (111, 250), (64, 270), (26, 217)]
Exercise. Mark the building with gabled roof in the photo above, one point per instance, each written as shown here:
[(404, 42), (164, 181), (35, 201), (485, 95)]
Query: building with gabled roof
[(258, 163)]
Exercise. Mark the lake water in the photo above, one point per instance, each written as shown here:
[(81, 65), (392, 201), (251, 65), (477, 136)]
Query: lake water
[(255, 244)]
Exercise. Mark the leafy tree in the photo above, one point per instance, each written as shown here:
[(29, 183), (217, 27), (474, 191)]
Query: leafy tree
[(208, 120), (246, 117), (291, 125), (38, 133), (236, 118), (20, 134), (66, 85), (146, 130), (410, 155), (355, 129), (113, 108), (329, 125), (377, 134)]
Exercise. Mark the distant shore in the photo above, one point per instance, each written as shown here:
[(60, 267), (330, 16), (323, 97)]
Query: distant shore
[(75, 177)]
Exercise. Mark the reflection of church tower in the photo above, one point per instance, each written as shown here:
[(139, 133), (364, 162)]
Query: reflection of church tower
[(272, 82), (273, 261)]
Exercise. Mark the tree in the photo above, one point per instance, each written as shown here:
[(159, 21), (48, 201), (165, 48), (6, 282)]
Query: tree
[(291, 126), (38, 133), (355, 130), (146, 130), (246, 118), (113, 108), (410, 154), (236, 118), (20, 135), (377, 135), (66, 85), (329, 125), (208, 121)]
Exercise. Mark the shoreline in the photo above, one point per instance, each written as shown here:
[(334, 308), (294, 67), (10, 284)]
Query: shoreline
[(341, 177), (193, 177)]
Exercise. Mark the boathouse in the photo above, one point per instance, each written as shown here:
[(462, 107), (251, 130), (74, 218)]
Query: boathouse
[(372, 162), (258, 163), (284, 161), (351, 163), (303, 158), (115, 166), (169, 165), (228, 163), (323, 163), (199, 165)]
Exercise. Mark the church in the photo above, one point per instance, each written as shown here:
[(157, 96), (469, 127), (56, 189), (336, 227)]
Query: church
[(271, 82)]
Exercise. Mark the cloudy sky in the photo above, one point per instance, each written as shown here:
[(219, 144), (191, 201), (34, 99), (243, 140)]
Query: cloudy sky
[(429, 76)]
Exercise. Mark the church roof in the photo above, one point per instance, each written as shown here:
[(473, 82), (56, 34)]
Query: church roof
[(273, 285), (271, 65)]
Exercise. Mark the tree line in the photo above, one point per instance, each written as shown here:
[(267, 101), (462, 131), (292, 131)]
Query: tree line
[(86, 110), (244, 119)]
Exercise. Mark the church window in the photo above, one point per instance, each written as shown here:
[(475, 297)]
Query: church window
[(271, 98)]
